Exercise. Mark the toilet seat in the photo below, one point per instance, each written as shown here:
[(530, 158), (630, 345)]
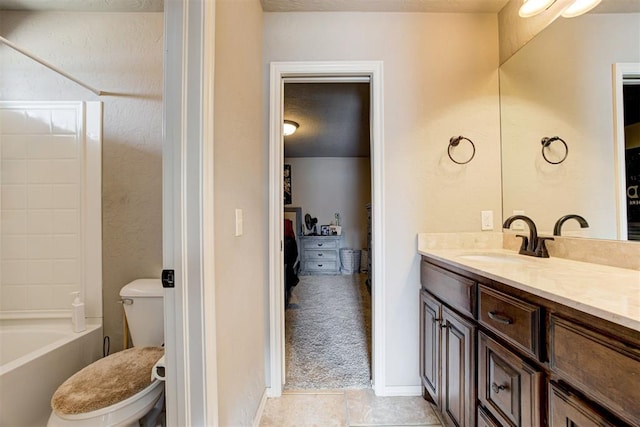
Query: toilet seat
[(117, 390), (124, 413)]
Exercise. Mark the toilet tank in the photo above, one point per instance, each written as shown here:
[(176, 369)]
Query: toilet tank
[(143, 301)]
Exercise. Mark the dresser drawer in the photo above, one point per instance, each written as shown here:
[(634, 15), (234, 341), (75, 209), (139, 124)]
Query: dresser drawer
[(516, 321), (316, 254), (320, 243), (507, 386), (321, 266), (456, 291), (605, 369)]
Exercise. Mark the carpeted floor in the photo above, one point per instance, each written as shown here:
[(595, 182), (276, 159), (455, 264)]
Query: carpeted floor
[(328, 333)]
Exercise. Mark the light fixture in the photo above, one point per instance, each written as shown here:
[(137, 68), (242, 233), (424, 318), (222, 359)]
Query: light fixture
[(533, 7), (580, 7), (289, 127)]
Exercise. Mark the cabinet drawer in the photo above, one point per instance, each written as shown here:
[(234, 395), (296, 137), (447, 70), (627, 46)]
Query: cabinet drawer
[(320, 243), (321, 266), (515, 320), (314, 254), (567, 410), (507, 386), (457, 291), (485, 420), (605, 369)]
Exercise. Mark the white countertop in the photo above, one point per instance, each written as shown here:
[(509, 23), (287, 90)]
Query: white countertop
[(609, 293)]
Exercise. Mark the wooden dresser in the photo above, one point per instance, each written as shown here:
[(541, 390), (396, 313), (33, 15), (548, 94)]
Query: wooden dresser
[(320, 255)]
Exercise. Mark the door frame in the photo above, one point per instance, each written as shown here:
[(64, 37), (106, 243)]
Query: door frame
[(187, 213), (621, 71), (336, 71)]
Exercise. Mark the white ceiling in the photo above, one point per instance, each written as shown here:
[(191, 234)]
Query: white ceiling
[(461, 6), (84, 5)]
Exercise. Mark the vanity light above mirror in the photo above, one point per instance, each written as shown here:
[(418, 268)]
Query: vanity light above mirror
[(534, 7)]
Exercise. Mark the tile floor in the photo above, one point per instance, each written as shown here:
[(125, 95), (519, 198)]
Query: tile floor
[(338, 408)]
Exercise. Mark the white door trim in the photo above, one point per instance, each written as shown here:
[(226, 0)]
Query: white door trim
[(280, 71), (189, 308), (620, 72)]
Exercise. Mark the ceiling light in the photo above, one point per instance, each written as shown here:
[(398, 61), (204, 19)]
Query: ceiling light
[(580, 7), (289, 127), (533, 7)]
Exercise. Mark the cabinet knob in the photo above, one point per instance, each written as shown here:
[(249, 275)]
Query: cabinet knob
[(443, 325), (319, 265), (319, 254), (497, 388), (320, 244)]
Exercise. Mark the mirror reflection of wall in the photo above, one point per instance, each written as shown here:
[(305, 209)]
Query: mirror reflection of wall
[(560, 84)]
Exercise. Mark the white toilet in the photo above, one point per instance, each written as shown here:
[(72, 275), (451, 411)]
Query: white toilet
[(119, 390)]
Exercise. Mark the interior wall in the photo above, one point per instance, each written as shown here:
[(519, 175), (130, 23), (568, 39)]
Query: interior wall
[(115, 52), (440, 80), (240, 168), (322, 186)]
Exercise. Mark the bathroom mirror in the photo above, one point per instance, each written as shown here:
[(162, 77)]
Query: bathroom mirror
[(561, 84)]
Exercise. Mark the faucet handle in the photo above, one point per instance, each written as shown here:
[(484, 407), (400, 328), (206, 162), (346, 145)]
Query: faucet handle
[(525, 242), (541, 247)]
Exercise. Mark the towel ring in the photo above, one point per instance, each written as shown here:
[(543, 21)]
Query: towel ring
[(454, 141), (546, 142)]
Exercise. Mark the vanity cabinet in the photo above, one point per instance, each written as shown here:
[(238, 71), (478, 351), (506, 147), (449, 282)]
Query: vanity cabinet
[(517, 359), (447, 343), (320, 255)]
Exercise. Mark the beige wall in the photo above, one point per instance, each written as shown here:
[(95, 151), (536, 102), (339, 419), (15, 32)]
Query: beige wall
[(440, 80), (240, 163), (322, 186), (116, 52)]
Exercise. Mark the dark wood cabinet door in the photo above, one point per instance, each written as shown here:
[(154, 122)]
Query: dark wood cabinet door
[(458, 375), (430, 321), (508, 387)]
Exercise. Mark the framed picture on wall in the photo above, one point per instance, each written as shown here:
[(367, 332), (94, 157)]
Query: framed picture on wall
[(287, 184)]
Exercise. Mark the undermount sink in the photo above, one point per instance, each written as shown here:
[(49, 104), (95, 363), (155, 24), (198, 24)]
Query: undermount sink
[(494, 258)]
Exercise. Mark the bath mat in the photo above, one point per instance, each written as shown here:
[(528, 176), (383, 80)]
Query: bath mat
[(107, 381), (328, 333)]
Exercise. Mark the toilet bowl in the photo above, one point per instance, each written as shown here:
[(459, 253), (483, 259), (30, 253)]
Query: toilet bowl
[(120, 389)]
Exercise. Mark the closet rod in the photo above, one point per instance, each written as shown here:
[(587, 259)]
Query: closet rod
[(50, 66)]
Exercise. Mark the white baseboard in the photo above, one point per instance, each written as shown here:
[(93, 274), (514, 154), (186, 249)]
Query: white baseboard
[(260, 410), (410, 390)]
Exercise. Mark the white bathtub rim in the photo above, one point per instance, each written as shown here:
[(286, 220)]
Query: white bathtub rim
[(56, 325)]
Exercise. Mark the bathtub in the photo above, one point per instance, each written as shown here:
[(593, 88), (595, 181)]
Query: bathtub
[(36, 356)]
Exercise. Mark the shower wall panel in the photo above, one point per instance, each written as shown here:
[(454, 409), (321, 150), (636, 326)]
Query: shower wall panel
[(43, 151)]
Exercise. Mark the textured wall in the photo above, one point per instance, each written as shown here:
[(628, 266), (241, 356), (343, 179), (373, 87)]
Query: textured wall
[(116, 52), (240, 167), (440, 80)]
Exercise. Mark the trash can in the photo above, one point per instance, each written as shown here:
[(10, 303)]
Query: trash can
[(350, 260)]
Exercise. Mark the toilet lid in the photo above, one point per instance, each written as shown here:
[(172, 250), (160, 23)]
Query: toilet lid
[(107, 381)]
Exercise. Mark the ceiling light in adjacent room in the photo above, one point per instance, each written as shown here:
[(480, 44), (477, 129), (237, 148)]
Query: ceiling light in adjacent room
[(580, 7), (289, 127), (534, 7)]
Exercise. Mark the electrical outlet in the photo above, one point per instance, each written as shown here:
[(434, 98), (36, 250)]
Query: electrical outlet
[(239, 222), (487, 220), (519, 224)]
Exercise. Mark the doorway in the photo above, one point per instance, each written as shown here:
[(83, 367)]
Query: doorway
[(327, 175), (322, 72), (627, 148)]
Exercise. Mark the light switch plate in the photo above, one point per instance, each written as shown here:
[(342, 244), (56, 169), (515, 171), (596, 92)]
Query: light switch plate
[(519, 224), (487, 220), (239, 222)]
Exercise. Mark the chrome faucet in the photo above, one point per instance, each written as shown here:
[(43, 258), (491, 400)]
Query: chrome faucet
[(557, 229), (531, 245)]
